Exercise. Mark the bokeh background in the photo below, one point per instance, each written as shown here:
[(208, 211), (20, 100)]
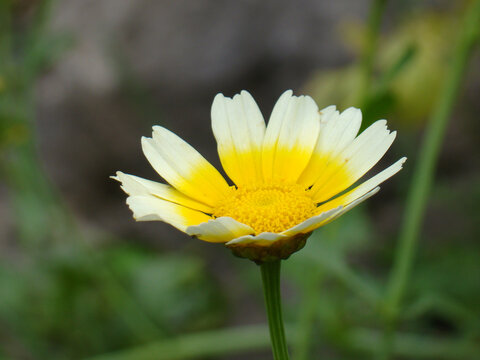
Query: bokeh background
[(82, 81)]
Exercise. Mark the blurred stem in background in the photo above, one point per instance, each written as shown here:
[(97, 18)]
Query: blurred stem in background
[(424, 173), (369, 50), (307, 314), (319, 263), (19, 163)]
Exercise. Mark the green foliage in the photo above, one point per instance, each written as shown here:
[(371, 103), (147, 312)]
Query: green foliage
[(175, 290), (65, 307)]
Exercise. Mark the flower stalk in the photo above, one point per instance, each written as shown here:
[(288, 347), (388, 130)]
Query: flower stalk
[(271, 290), (423, 176), (424, 171), (368, 55)]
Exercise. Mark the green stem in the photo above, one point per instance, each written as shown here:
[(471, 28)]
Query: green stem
[(371, 41), (271, 290), (423, 175), (308, 310)]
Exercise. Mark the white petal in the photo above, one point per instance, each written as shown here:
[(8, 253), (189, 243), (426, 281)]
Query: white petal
[(290, 137), (134, 185), (327, 114), (221, 230), (376, 180), (366, 186), (337, 132), (348, 207), (239, 129), (262, 239), (352, 163), (183, 167), (150, 208), (311, 224)]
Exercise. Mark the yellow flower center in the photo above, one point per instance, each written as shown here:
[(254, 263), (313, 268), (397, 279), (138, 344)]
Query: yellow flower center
[(268, 208)]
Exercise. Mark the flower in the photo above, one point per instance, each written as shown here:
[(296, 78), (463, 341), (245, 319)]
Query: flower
[(290, 177)]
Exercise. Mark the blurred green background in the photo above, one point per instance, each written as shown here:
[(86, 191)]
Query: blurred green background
[(82, 81)]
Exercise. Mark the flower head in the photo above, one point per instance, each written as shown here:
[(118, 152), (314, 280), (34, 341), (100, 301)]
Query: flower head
[(290, 177)]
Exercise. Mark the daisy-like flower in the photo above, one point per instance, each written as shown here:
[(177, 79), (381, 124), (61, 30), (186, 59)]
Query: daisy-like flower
[(290, 177)]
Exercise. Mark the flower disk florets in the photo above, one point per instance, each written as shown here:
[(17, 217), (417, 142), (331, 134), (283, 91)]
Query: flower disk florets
[(268, 208)]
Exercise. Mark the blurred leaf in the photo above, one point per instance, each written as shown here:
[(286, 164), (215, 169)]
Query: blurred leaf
[(174, 289), (328, 247), (198, 345), (410, 64), (417, 86), (450, 269), (73, 309)]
